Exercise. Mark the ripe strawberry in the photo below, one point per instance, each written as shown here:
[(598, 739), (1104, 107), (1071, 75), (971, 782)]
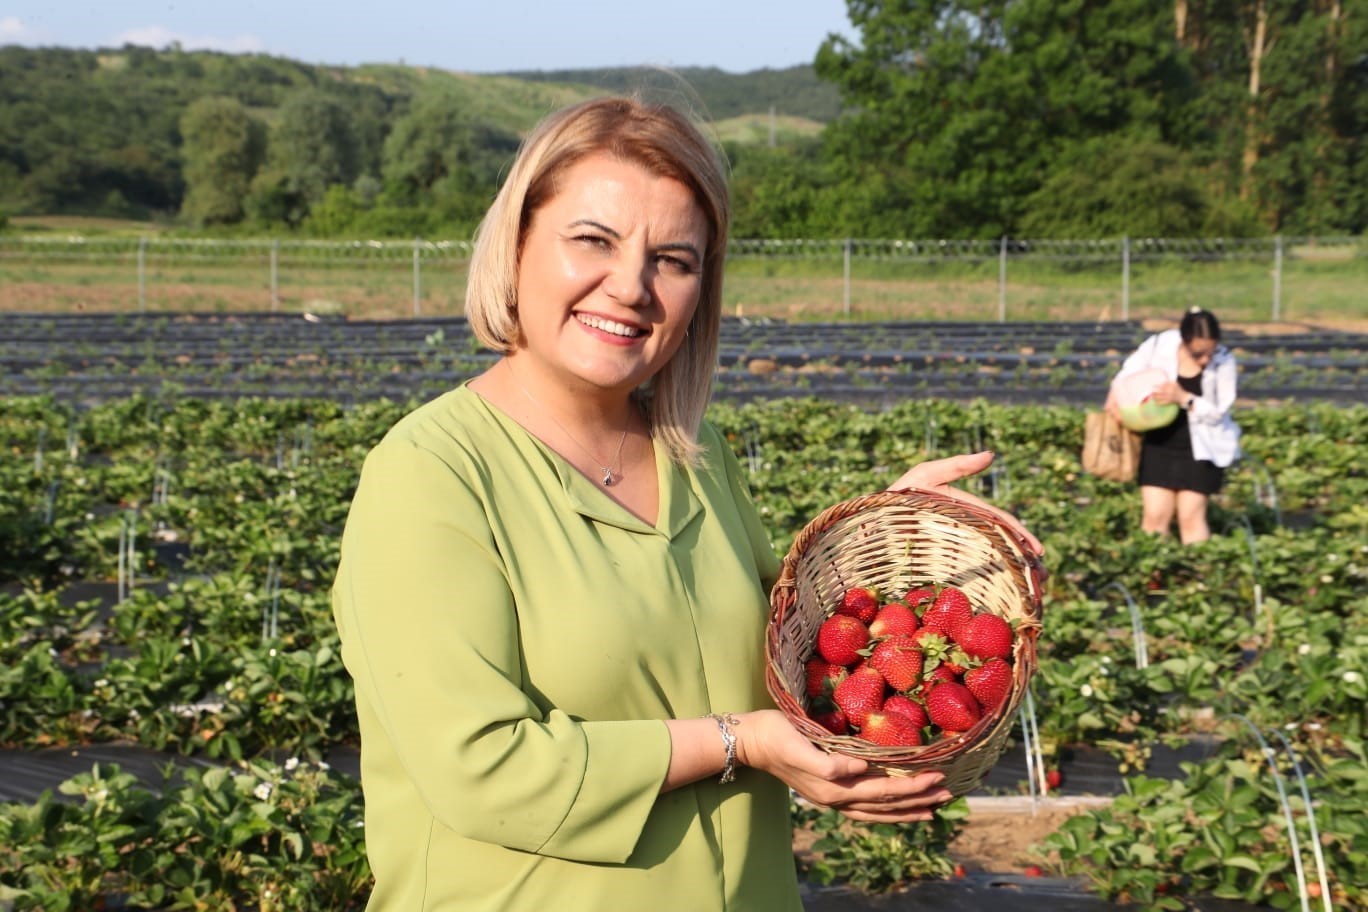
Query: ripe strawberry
[(823, 676), (894, 619), (933, 676), (833, 721), (860, 694), (915, 598), (952, 707), (840, 639), (861, 603), (990, 683), (901, 703), (948, 613), (899, 660), (1053, 778), (891, 729), (986, 636), (1033, 871)]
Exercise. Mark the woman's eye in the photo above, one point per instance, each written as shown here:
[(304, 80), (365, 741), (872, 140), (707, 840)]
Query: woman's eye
[(676, 264), (593, 240)]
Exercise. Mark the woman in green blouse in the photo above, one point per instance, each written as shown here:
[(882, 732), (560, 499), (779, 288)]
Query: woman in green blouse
[(554, 586)]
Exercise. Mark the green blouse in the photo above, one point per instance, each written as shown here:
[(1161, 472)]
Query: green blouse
[(516, 638)]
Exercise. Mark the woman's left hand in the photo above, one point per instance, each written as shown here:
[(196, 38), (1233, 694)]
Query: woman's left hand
[(938, 475), (1169, 393)]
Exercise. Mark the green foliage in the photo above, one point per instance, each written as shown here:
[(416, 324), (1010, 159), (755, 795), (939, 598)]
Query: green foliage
[(263, 836), (1221, 831), (312, 147), (231, 657), (1112, 186), (878, 858), (223, 145)]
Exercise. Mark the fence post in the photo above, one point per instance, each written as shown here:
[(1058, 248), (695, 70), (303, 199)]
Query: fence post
[(142, 275), (1277, 277), (275, 274), (417, 276), (1125, 277), (1002, 281), (845, 276)]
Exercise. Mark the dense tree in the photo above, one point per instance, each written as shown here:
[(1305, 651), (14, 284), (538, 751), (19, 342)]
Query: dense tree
[(964, 105), (222, 147), (312, 147), (437, 152), (1106, 188)]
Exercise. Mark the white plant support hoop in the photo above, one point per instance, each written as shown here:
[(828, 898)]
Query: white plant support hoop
[(751, 438), (1248, 530), (127, 554), (1314, 831), (1265, 492), (1035, 755), (1137, 624), (1269, 753), (270, 611), (50, 503), (38, 450)]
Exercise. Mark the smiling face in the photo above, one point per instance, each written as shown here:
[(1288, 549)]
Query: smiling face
[(609, 275)]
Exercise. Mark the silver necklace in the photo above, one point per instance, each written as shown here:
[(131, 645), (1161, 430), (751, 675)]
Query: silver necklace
[(609, 476)]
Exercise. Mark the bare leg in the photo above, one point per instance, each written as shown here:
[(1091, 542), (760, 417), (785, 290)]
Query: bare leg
[(1159, 505), (1192, 517)]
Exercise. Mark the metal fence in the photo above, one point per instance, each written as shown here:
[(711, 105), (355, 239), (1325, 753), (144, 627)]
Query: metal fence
[(841, 278)]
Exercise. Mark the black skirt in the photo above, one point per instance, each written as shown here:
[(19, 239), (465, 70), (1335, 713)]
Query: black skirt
[(1166, 455)]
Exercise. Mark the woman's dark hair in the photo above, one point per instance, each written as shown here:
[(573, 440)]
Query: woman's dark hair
[(1199, 324)]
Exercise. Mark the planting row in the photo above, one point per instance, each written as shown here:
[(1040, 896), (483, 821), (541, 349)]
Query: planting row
[(165, 575), (100, 356)]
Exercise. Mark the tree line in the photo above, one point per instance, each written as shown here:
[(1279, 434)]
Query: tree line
[(943, 118)]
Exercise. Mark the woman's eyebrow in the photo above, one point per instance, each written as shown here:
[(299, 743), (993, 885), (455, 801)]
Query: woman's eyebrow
[(579, 223), (684, 246)]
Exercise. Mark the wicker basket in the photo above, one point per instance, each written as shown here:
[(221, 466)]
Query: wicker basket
[(895, 541)]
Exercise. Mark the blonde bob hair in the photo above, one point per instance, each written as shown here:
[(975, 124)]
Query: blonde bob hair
[(664, 142)]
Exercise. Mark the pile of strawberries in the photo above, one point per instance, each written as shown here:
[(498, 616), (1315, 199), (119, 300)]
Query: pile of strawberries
[(906, 672)]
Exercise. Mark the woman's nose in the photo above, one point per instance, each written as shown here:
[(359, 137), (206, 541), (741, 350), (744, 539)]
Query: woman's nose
[(628, 282)]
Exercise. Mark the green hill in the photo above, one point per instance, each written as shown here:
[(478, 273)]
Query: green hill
[(99, 132)]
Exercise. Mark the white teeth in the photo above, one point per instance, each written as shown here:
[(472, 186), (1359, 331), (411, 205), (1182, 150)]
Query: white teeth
[(617, 329)]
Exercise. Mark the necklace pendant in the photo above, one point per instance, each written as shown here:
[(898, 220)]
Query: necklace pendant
[(607, 477)]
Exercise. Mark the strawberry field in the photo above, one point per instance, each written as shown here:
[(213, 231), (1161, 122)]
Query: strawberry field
[(170, 503)]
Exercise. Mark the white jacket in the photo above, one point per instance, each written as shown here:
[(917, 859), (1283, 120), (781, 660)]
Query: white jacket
[(1215, 435)]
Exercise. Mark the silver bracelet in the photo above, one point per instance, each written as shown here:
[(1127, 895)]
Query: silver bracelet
[(725, 721)]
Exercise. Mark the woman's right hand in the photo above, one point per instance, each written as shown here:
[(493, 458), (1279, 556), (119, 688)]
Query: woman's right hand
[(767, 741), (1111, 407)]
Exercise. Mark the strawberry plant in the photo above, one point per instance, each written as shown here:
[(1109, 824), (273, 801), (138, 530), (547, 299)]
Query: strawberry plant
[(878, 858), (225, 647)]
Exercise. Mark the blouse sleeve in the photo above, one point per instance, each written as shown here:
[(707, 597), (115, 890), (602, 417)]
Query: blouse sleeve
[(430, 635), (1214, 409), (1138, 360)]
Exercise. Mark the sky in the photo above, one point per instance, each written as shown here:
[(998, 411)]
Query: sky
[(478, 36)]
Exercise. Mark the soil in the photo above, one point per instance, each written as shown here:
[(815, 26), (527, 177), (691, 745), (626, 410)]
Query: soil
[(1000, 835)]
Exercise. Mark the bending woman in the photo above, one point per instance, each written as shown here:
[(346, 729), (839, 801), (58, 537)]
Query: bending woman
[(1183, 463)]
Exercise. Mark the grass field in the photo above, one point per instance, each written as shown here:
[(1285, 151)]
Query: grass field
[(1316, 285)]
